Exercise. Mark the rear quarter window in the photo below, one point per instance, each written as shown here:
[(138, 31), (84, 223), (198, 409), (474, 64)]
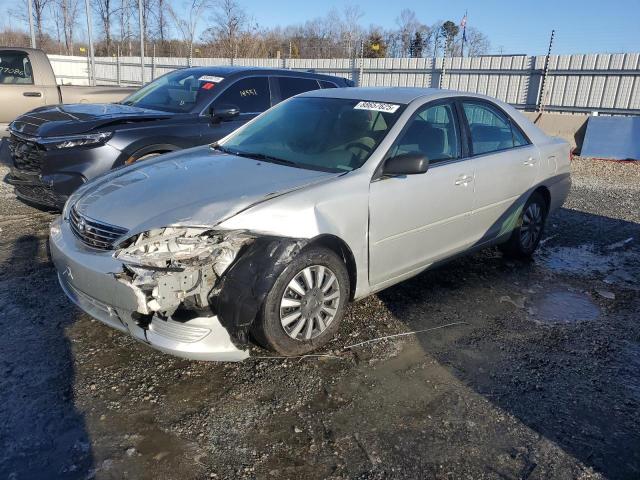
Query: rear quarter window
[(290, 86), (15, 69), (325, 84)]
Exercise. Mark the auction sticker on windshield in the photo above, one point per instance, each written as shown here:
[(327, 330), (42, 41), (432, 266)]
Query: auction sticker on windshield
[(377, 107), (210, 78)]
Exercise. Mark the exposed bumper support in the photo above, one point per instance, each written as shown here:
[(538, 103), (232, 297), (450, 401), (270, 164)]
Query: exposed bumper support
[(88, 279)]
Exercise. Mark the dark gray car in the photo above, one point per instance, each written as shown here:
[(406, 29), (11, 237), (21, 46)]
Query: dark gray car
[(56, 149)]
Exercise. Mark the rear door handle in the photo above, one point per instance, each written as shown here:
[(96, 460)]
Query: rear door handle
[(32, 94), (463, 180), (530, 162)]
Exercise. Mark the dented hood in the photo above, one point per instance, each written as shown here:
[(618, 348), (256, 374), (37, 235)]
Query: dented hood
[(199, 186)]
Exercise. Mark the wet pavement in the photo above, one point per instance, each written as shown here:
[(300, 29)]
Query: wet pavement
[(537, 376)]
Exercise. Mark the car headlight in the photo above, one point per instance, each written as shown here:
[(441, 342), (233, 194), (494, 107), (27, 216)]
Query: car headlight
[(182, 247), (58, 143)]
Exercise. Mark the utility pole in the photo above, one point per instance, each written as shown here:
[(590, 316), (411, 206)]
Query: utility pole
[(545, 71), (361, 63), (92, 64), (444, 63), (31, 31), (140, 17)]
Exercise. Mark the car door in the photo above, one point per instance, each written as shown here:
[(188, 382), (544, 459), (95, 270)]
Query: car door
[(17, 87), (251, 95), (415, 220), (506, 167)]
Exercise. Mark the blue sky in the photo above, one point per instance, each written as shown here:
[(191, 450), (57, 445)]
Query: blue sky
[(515, 26), (518, 26)]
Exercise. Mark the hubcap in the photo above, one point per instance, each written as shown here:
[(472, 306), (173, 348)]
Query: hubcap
[(310, 302), (531, 228)]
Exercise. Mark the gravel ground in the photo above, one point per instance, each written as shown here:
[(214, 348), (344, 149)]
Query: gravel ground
[(537, 378)]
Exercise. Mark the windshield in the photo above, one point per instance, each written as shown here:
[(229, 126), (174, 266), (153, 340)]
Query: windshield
[(177, 91), (328, 134)]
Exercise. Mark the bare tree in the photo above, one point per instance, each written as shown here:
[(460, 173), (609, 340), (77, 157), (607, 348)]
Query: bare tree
[(126, 36), (66, 19), (351, 15), (187, 24), (477, 43), (39, 7), (106, 13), (228, 23), (408, 24)]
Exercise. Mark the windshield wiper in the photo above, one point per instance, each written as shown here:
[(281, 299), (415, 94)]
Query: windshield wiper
[(266, 158), (254, 155)]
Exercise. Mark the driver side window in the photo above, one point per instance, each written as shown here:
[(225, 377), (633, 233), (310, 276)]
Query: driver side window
[(250, 95), (433, 132)]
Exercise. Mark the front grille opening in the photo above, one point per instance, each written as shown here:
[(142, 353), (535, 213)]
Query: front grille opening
[(94, 233), (27, 155)]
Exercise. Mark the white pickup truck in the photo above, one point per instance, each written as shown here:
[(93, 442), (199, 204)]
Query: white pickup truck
[(27, 81)]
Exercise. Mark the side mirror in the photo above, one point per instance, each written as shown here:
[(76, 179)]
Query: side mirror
[(406, 164), (223, 113)]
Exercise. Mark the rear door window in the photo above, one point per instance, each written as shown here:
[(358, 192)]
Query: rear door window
[(15, 68), (290, 86), (491, 130), (250, 95)]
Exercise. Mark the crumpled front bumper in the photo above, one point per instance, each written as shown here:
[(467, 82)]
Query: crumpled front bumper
[(87, 276)]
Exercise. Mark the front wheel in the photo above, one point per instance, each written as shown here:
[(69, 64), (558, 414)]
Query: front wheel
[(526, 237), (305, 306)]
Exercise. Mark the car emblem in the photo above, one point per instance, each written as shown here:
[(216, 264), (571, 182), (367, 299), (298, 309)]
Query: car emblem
[(81, 225), (67, 272)]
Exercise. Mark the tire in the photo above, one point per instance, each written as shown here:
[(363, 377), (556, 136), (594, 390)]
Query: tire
[(133, 160), (302, 312), (525, 238)]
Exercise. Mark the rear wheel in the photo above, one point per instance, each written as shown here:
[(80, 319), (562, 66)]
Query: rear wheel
[(304, 308), (526, 237)]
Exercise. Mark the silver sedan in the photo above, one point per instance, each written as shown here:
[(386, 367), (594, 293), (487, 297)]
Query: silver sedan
[(325, 198)]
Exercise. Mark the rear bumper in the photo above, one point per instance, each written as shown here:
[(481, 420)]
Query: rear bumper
[(88, 278), (559, 191)]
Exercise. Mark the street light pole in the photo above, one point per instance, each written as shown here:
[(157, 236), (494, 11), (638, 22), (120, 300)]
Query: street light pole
[(141, 41), (92, 73), (33, 34)]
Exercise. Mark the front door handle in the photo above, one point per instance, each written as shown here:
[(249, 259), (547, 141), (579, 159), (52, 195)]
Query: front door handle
[(464, 180), (32, 94)]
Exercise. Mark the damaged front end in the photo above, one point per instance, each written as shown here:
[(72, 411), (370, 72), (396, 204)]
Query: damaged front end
[(177, 267), (183, 273)]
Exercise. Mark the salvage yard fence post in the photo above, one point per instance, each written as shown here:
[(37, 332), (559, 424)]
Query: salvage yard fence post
[(578, 83)]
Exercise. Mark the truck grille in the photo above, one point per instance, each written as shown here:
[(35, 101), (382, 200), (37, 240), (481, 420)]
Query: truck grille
[(27, 155), (93, 233)]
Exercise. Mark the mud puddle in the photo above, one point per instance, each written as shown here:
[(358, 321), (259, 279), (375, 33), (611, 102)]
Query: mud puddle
[(564, 307)]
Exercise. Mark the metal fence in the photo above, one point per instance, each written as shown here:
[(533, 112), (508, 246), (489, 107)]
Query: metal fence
[(607, 83)]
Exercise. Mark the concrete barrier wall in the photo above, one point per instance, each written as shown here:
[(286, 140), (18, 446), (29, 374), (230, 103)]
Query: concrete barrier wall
[(569, 127)]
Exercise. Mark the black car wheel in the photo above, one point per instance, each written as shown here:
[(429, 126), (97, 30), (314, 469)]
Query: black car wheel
[(526, 237), (304, 308)]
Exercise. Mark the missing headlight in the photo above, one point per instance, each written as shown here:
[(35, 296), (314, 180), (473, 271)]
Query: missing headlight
[(178, 266)]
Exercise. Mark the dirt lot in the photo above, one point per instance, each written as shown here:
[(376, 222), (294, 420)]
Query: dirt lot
[(541, 380)]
